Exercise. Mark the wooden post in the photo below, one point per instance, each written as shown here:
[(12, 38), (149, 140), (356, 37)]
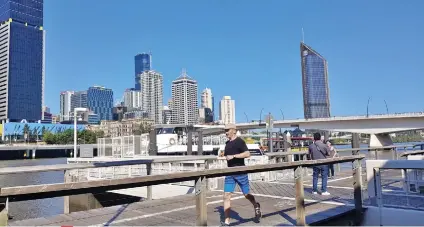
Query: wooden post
[(357, 190), (207, 166), (153, 147), (376, 154), (4, 214), (200, 143), (394, 154), (66, 203), (300, 197), (201, 206), (149, 188), (355, 140)]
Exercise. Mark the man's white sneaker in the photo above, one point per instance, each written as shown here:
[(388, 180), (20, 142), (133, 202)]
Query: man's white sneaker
[(325, 193), (314, 193)]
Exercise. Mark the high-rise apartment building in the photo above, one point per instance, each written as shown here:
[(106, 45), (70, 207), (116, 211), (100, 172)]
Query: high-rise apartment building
[(316, 101), (65, 105), (132, 99), (184, 100), (143, 62), (167, 115), (152, 94), (78, 99), (227, 110), (100, 101), (21, 60), (206, 100)]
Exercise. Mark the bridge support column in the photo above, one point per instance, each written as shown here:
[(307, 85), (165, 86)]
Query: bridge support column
[(153, 148), (189, 141), (380, 140), (200, 143)]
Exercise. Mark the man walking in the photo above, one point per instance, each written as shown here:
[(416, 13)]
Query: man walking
[(319, 150), (235, 152)]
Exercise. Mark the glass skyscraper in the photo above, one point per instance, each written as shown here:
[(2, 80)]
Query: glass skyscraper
[(316, 101), (143, 63), (100, 101), (21, 60)]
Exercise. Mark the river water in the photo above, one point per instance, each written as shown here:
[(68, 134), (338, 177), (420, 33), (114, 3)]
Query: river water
[(53, 206)]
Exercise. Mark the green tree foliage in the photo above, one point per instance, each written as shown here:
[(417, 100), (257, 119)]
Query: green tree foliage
[(142, 128), (67, 137)]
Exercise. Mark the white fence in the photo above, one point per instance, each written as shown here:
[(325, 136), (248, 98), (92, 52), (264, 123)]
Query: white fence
[(123, 146)]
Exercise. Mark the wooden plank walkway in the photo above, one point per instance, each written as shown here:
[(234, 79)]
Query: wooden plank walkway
[(277, 202)]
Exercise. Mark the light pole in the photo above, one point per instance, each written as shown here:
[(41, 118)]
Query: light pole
[(260, 116), (247, 119), (76, 110), (369, 98), (387, 108), (282, 113)]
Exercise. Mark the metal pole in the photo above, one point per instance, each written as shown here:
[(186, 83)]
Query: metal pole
[(247, 119), (368, 105), (75, 134), (260, 116), (282, 113)]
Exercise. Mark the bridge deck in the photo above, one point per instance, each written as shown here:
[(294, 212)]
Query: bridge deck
[(277, 202)]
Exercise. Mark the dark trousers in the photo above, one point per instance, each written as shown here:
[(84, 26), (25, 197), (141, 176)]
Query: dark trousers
[(331, 170)]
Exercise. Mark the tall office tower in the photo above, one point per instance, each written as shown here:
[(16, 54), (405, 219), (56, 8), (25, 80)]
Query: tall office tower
[(65, 105), (132, 99), (184, 100), (316, 101), (227, 110), (78, 99), (100, 101), (206, 100), (21, 60), (143, 62), (152, 94)]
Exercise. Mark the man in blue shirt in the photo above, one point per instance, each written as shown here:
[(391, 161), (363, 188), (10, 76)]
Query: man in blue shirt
[(235, 152), (319, 150)]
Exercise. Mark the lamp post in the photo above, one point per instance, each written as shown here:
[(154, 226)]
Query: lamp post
[(260, 116), (282, 113), (387, 108), (76, 110), (247, 119), (369, 98)]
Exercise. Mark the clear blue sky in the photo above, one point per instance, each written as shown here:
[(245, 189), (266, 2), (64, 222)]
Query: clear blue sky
[(243, 48)]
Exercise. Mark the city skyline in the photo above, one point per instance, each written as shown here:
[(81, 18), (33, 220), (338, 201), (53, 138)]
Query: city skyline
[(272, 56)]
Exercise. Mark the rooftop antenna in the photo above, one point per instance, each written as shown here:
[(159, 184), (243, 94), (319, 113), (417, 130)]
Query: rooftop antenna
[(303, 36)]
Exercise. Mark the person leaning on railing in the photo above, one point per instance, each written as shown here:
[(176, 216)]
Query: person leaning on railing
[(333, 154)]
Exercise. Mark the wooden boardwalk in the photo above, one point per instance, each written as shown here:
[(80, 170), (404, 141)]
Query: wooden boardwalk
[(277, 201)]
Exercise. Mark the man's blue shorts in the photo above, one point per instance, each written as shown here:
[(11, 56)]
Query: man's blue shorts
[(242, 180)]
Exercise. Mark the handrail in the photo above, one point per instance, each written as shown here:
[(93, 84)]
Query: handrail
[(21, 193), (31, 192), (285, 153), (405, 154), (61, 167)]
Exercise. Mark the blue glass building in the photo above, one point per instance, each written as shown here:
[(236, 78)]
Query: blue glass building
[(143, 63), (316, 101), (21, 60), (100, 101)]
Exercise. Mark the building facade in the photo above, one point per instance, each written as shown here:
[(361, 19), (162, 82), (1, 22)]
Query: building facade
[(65, 105), (142, 63), (22, 60), (205, 115), (184, 100), (126, 127), (316, 97), (167, 115), (100, 101), (78, 99), (227, 110), (132, 99), (152, 94), (206, 100)]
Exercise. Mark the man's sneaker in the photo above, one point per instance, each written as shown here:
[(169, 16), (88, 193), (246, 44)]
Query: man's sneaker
[(224, 224), (314, 192), (325, 193), (258, 213)]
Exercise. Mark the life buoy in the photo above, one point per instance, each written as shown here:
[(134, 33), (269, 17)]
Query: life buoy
[(172, 141)]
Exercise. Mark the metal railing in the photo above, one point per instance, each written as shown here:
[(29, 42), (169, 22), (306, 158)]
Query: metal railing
[(31, 192), (396, 183)]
